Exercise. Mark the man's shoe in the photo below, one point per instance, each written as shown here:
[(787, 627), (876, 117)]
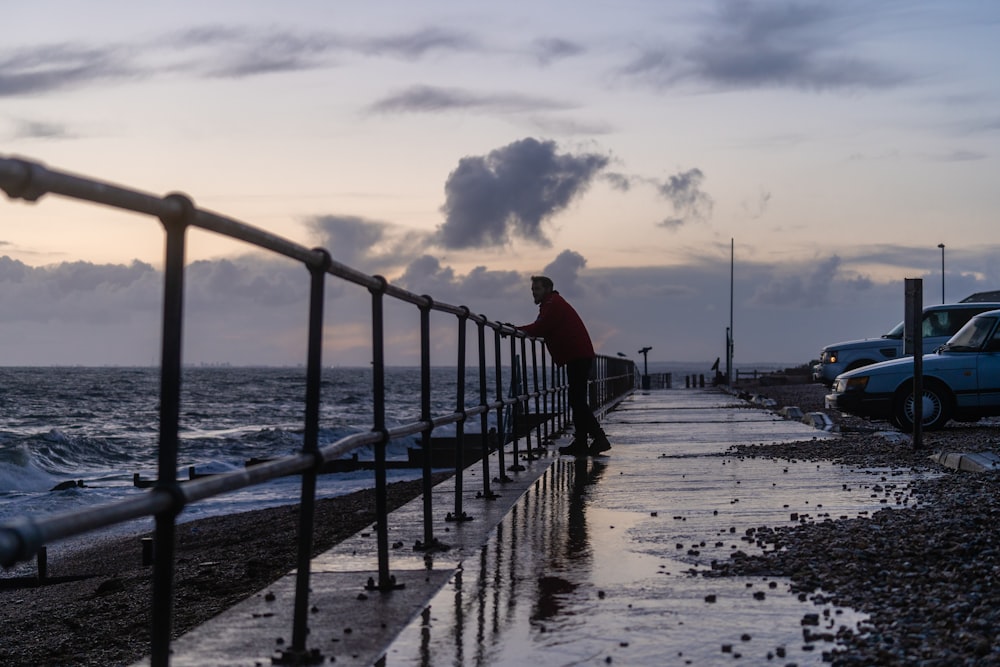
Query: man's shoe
[(575, 448), (599, 445)]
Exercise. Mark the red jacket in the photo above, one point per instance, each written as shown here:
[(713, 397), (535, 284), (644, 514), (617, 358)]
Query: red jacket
[(563, 330)]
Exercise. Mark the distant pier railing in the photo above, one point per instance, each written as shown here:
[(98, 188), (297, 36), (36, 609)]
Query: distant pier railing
[(533, 400)]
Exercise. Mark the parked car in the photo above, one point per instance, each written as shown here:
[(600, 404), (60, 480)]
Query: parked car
[(961, 381), (940, 323)]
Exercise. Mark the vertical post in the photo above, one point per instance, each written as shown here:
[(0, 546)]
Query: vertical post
[(385, 582), (425, 416), (502, 435), (526, 409), (914, 343), (460, 515), (941, 245), (515, 394), (310, 445), (484, 418), (546, 403), (729, 331), (170, 397)]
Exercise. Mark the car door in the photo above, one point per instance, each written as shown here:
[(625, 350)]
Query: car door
[(988, 374)]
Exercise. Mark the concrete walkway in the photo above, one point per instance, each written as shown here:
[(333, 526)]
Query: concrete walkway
[(582, 562)]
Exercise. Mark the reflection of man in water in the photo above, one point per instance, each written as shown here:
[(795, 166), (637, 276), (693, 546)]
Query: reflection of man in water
[(576, 556)]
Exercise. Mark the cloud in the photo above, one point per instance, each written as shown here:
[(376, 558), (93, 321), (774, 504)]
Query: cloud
[(549, 50), (766, 45), (58, 66), (272, 52), (423, 99), (212, 51), (960, 155), (683, 191), (808, 290), (251, 281), (251, 310), (418, 43), (30, 129), (564, 271), (368, 245), (511, 191), (426, 275), (77, 292), (756, 209), (618, 181)]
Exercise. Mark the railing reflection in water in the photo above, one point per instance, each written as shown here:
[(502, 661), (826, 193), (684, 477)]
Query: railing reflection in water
[(533, 402), (540, 554)]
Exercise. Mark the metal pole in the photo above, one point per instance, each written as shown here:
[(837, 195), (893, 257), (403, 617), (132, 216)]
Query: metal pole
[(729, 350), (459, 514), (484, 417), (501, 427), (941, 245), (385, 581), (425, 416), (310, 445), (170, 398), (914, 292)]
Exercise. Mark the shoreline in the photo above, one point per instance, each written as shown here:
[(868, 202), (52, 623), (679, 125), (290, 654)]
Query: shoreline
[(97, 613), (923, 569)]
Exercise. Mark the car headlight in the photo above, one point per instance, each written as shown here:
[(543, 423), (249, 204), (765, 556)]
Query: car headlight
[(831, 358), (859, 383)]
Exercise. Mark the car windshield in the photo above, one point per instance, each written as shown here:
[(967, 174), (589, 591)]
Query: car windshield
[(895, 332), (973, 335)]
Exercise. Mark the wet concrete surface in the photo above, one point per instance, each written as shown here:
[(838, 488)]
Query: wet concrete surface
[(584, 561)]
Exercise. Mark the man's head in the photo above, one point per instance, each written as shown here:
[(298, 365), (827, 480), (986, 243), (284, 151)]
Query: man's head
[(541, 286)]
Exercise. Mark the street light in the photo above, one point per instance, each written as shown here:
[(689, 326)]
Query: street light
[(941, 245), (645, 367)]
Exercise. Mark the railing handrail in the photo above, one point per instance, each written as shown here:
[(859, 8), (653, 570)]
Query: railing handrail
[(22, 537)]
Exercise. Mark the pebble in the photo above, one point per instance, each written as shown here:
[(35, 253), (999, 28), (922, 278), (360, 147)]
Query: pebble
[(924, 567)]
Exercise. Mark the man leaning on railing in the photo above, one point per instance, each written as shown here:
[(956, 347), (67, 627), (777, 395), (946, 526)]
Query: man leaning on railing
[(569, 344)]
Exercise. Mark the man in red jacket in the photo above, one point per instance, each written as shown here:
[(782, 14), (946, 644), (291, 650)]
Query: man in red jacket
[(569, 344)]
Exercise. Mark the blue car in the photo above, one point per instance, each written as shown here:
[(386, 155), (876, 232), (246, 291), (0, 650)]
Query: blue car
[(961, 381)]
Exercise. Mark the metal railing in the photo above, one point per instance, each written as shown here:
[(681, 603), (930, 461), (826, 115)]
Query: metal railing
[(536, 397)]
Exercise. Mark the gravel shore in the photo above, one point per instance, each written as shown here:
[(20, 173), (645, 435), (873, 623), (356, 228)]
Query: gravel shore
[(96, 610), (925, 568)]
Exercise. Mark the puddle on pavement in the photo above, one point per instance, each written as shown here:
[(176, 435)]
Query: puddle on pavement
[(596, 582), (593, 566)]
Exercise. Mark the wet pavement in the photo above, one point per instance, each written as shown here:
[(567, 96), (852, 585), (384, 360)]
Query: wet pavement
[(583, 561)]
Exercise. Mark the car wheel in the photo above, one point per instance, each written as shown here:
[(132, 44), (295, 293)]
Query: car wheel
[(860, 363), (936, 407)]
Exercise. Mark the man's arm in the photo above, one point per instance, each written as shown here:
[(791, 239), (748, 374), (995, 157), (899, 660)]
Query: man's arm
[(542, 324)]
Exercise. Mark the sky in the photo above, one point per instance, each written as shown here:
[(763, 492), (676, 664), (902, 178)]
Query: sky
[(676, 167)]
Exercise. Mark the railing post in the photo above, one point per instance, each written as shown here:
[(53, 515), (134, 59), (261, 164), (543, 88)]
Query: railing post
[(459, 514), (501, 427), (385, 581), (298, 654), (546, 404), (429, 542), (484, 418), (515, 391), (532, 454), (563, 402), (170, 398)]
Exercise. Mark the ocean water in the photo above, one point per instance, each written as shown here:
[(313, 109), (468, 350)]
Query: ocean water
[(100, 426)]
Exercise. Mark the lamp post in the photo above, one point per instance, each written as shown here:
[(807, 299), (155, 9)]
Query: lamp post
[(645, 367), (941, 245)]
